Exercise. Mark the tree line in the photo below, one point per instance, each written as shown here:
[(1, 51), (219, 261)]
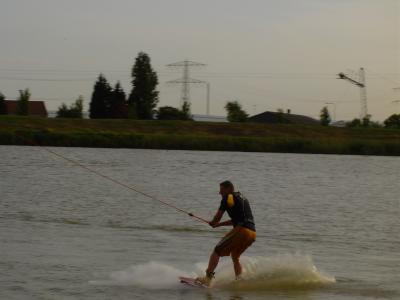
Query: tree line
[(392, 121), (112, 102)]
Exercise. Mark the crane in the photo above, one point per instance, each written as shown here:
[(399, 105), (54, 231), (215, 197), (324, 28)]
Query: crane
[(360, 82)]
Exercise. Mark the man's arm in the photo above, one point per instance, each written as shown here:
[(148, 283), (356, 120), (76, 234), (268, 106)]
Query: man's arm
[(225, 223), (216, 218)]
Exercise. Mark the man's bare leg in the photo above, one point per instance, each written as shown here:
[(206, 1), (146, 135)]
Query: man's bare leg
[(213, 262), (237, 266), (212, 265)]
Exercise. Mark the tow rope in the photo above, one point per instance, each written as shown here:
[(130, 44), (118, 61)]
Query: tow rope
[(197, 218)]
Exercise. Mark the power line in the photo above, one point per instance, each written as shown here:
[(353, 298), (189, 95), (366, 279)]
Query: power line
[(385, 78), (231, 74), (46, 79), (382, 75)]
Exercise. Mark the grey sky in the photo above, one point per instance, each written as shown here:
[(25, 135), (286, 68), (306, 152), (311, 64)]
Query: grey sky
[(266, 54)]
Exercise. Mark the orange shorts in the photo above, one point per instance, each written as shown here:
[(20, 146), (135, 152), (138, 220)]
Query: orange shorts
[(235, 242)]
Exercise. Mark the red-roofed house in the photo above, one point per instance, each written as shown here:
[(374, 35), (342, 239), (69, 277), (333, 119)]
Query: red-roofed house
[(35, 108)]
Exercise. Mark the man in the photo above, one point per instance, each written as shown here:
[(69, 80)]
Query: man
[(239, 238)]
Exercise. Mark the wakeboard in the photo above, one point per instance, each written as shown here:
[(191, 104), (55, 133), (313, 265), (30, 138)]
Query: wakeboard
[(192, 282)]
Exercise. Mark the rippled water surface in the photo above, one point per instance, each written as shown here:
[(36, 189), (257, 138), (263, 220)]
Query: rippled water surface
[(328, 226)]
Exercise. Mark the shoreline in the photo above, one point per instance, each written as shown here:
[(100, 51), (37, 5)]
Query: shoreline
[(189, 135)]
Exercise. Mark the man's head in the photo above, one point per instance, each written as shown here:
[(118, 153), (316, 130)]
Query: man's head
[(225, 188)]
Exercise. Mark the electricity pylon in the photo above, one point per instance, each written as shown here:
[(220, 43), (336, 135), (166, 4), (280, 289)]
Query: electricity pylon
[(360, 82), (186, 80)]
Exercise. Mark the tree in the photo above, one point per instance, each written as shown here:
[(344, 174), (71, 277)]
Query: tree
[(74, 111), (169, 113), (118, 105), (172, 113), (364, 122), (375, 124), (354, 123), (144, 96), (3, 108), (186, 115), (235, 112), (325, 118), (393, 121), (99, 107), (23, 102)]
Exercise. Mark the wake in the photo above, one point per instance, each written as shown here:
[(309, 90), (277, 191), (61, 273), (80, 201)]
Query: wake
[(285, 272)]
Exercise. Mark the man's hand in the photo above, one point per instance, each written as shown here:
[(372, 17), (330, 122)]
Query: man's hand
[(213, 224), (219, 224), (215, 221)]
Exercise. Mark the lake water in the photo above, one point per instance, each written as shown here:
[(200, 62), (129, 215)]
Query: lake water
[(328, 226)]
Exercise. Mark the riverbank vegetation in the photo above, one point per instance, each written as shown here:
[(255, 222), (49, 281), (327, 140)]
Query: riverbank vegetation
[(190, 135)]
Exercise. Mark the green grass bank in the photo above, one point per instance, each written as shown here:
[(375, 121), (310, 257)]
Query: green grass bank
[(186, 135)]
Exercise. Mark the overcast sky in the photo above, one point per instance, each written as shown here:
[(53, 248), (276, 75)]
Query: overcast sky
[(267, 54)]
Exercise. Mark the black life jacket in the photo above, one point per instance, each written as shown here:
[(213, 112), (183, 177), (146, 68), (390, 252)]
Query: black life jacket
[(240, 212)]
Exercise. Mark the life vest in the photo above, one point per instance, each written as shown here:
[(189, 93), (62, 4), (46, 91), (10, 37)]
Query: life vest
[(238, 209)]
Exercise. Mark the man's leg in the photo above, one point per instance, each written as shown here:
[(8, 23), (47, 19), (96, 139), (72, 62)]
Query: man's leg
[(245, 240), (223, 248), (213, 262), (212, 265), (237, 266)]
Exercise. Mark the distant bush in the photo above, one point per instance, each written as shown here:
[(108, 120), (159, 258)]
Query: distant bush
[(393, 121), (74, 111), (366, 122), (172, 113), (3, 108), (235, 112)]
